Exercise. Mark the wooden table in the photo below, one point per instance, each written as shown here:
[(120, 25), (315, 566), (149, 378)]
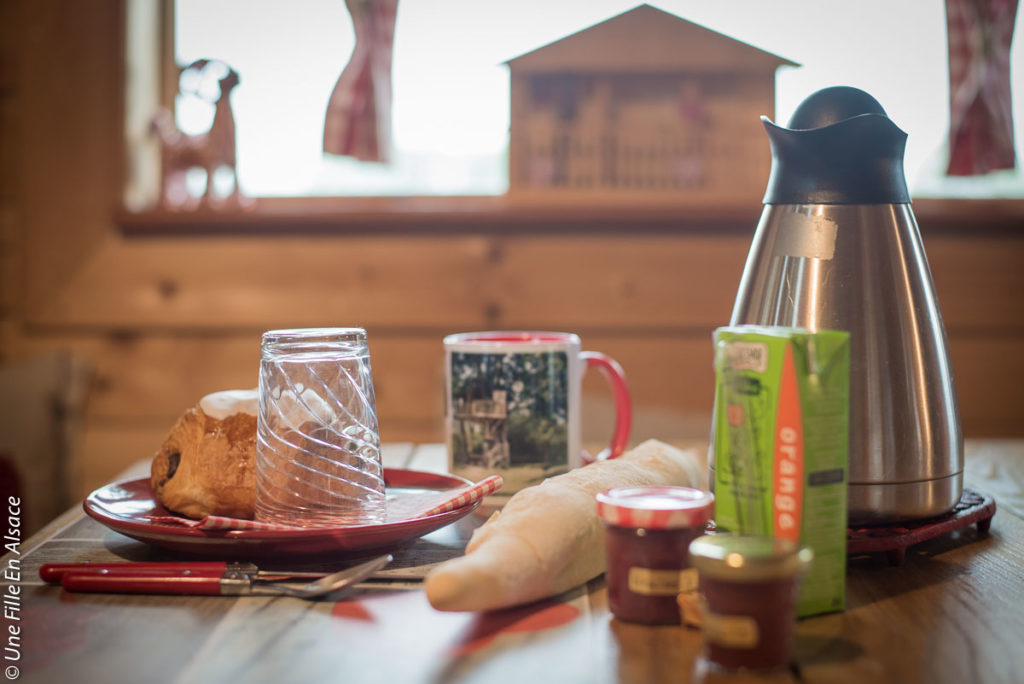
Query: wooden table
[(952, 612)]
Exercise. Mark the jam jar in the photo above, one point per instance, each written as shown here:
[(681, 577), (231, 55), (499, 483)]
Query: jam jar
[(748, 589), (647, 533)]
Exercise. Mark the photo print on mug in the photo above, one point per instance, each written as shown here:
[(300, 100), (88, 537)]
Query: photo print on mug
[(510, 413)]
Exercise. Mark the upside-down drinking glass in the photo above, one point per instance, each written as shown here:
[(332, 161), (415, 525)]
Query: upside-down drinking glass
[(318, 451)]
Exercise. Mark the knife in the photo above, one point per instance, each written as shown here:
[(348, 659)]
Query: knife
[(53, 573), (203, 579)]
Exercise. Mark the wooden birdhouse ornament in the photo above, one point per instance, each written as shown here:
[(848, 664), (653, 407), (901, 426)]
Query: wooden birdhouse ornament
[(645, 105)]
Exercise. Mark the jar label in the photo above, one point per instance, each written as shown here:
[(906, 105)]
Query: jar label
[(649, 582), (730, 631)]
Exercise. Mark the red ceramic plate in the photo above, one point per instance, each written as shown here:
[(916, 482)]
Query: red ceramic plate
[(126, 507)]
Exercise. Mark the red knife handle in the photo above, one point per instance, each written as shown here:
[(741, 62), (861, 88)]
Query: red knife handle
[(196, 582), (54, 572)]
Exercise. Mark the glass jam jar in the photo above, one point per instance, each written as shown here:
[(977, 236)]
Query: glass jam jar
[(748, 589), (647, 533)]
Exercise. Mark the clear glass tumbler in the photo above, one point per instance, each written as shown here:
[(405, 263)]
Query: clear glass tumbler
[(318, 452)]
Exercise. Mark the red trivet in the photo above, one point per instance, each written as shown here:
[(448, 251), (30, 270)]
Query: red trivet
[(974, 508)]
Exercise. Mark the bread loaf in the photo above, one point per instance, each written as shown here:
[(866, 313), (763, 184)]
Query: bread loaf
[(548, 538)]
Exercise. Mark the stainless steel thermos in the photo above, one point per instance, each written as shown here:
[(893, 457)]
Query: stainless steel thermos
[(837, 247)]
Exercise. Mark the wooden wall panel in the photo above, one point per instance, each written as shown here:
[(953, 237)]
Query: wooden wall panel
[(667, 371), (989, 375), (459, 282), (979, 281), (107, 448), (9, 44), (156, 377), (11, 263), (69, 145), (8, 145), (437, 282), (619, 282), (265, 283)]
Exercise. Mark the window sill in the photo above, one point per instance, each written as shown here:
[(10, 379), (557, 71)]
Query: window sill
[(502, 215)]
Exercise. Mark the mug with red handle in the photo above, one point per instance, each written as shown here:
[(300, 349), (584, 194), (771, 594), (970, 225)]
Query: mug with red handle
[(513, 404)]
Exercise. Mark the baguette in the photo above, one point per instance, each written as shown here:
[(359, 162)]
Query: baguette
[(548, 538)]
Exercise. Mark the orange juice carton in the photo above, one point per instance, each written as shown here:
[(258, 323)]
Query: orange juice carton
[(780, 444)]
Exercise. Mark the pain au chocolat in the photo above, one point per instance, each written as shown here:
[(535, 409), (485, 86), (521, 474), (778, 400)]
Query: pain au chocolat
[(207, 464)]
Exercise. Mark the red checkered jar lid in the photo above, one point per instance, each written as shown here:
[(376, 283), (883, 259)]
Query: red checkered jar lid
[(655, 508)]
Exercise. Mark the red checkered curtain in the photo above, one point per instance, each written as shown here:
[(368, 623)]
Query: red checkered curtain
[(358, 122), (981, 117)]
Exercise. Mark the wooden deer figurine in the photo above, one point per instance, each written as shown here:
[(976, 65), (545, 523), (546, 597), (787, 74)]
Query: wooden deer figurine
[(211, 151)]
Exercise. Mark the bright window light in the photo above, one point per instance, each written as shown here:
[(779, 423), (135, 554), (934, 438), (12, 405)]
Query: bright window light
[(451, 88)]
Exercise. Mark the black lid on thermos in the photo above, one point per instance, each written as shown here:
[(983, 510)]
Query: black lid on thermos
[(840, 148)]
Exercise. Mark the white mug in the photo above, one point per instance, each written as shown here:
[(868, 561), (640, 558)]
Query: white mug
[(513, 404)]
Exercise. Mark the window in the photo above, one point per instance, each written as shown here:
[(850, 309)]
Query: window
[(451, 90)]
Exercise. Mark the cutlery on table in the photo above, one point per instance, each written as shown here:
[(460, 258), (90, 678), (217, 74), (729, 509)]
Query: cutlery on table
[(52, 573), (203, 578)]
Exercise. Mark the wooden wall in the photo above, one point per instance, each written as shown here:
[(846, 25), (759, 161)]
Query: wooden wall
[(163, 318)]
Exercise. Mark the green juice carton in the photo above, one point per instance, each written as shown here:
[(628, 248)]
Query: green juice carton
[(780, 445)]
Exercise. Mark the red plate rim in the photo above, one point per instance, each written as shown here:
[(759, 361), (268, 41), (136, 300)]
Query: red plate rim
[(98, 505)]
